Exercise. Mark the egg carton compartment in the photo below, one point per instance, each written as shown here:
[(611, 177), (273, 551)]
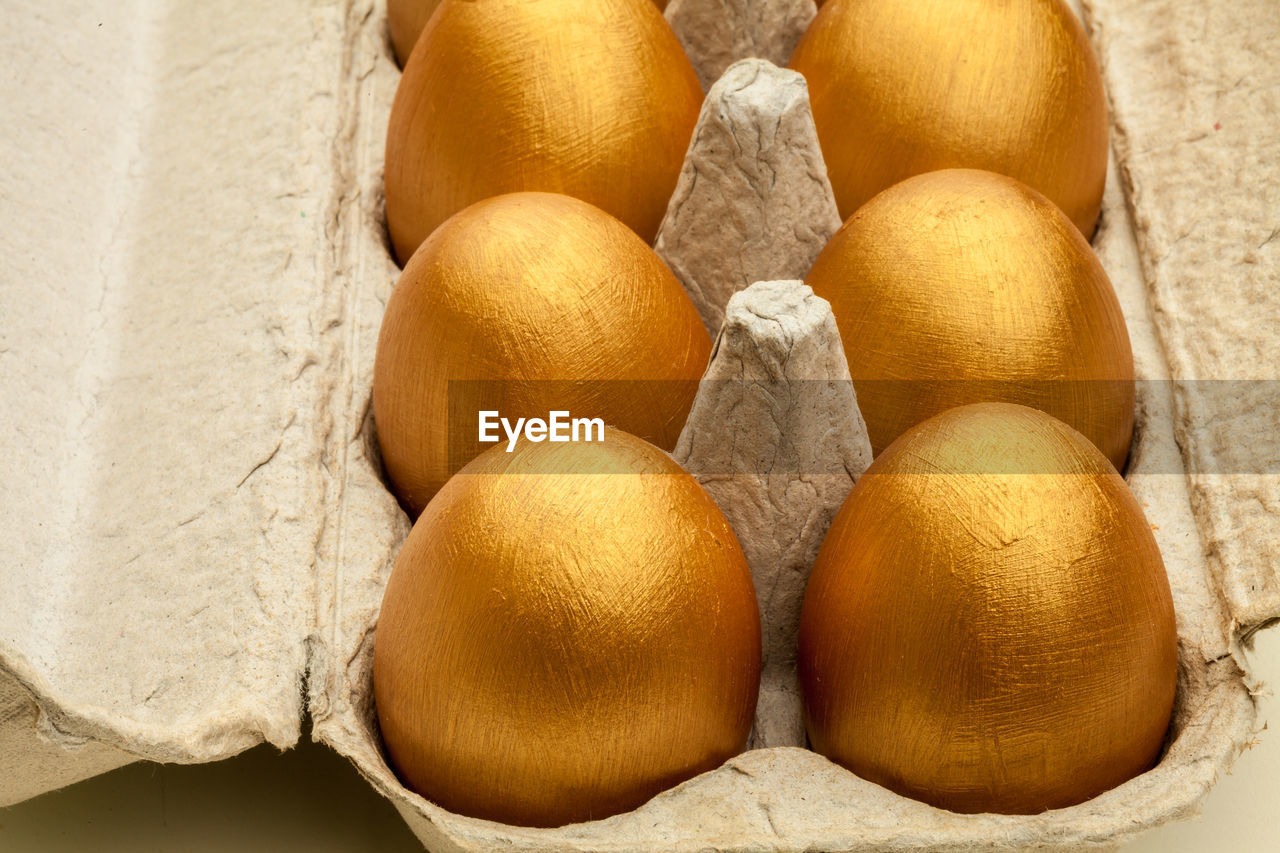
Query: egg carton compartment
[(168, 314), (785, 797), (200, 531)]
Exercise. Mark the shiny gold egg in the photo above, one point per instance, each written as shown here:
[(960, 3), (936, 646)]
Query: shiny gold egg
[(525, 304), (900, 87), (988, 626), (569, 630), (591, 98), (406, 19), (963, 286)]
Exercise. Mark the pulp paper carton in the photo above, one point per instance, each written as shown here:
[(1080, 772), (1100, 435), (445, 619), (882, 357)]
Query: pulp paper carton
[(197, 532)]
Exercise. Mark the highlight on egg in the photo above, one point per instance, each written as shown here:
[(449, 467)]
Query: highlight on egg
[(590, 98), (569, 630), (962, 286), (901, 87), (524, 304), (988, 626)]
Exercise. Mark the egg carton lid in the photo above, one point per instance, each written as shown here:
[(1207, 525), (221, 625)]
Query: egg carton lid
[(197, 533), (171, 312)]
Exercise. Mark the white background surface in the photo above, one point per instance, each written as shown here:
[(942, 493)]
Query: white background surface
[(311, 799)]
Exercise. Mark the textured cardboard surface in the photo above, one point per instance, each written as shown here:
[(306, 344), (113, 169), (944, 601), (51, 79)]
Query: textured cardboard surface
[(36, 762), (717, 33), (753, 202), (776, 438), (1195, 93), (195, 267), (165, 339)]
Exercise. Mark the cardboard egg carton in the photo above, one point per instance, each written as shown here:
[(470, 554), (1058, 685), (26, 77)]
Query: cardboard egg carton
[(195, 266)]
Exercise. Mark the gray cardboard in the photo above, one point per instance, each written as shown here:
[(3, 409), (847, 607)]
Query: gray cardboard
[(753, 202), (776, 438), (717, 33)]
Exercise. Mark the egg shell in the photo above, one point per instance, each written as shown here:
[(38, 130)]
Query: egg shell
[(592, 98), (901, 87), (406, 19), (988, 626), (962, 286), (568, 630), (525, 304)]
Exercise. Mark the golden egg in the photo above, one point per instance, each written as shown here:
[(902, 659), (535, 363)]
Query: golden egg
[(900, 87), (591, 98), (988, 626), (406, 18), (569, 630), (525, 304), (962, 286)]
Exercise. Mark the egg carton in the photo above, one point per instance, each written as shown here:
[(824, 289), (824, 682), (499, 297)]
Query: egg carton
[(198, 532)]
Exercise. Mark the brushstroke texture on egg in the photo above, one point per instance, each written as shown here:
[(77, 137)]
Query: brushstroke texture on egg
[(988, 626), (962, 286), (569, 630), (525, 304), (901, 87), (407, 18), (591, 98)]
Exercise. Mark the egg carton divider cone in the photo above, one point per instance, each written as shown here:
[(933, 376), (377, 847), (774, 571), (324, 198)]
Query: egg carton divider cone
[(188, 599)]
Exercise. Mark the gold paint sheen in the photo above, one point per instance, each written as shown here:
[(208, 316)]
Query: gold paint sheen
[(591, 98), (901, 87), (407, 18), (988, 626), (557, 298), (961, 286), (569, 630)]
